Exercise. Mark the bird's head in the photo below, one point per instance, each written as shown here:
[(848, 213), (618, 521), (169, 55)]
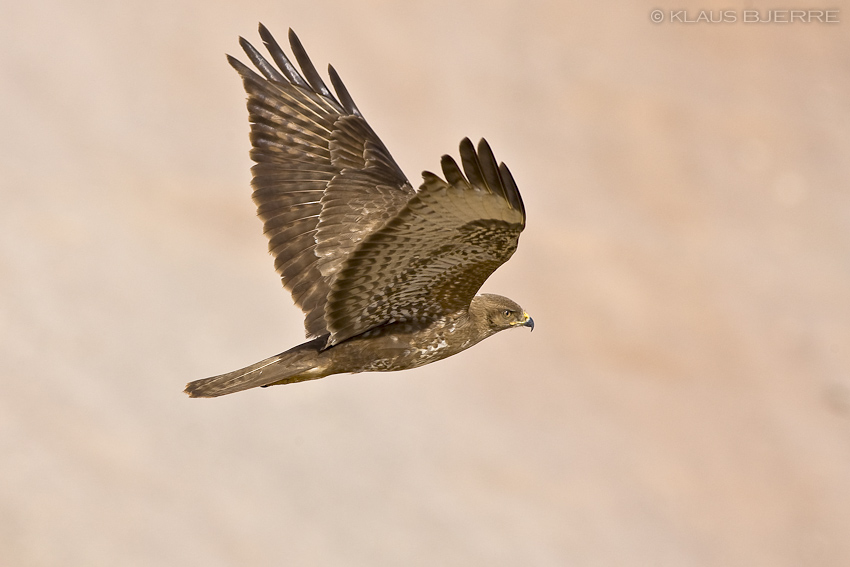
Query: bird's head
[(499, 313)]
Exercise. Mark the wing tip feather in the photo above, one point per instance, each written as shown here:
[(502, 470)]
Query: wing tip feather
[(342, 93), (308, 77), (481, 171)]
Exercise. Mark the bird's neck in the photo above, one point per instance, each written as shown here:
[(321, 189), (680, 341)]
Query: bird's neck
[(476, 321)]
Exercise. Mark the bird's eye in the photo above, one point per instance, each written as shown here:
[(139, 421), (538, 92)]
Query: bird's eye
[(507, 312)]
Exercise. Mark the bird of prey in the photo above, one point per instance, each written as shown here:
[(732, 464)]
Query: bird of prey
[(386, 275)]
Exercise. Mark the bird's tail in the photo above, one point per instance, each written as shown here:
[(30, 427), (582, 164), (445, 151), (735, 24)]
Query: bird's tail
[(295, 365)]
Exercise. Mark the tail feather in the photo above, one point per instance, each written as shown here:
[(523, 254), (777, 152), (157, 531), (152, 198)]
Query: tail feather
[(295, 365)]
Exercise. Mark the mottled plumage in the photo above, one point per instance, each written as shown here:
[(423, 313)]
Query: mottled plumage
[(386, 275)]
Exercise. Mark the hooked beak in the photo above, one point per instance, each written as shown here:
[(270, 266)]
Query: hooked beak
[(527, 321)]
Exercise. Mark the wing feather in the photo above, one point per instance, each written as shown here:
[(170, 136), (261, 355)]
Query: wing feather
[(266, 68), (308, 68), (281, 59), (342, 92)]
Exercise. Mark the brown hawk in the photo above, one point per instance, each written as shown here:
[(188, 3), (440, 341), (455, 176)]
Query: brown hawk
[(386, 275)]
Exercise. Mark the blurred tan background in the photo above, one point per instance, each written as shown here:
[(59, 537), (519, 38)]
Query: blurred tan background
[(684, 400)]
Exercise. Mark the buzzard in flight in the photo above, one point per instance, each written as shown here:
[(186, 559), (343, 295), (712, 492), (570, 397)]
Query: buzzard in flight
[(386, 275)]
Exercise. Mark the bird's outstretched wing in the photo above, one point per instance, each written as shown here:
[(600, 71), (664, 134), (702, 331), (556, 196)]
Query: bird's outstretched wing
[(431, 258), (323, 180)]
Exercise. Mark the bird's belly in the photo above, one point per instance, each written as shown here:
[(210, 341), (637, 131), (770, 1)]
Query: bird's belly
[(401, 351), (402, 358)]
